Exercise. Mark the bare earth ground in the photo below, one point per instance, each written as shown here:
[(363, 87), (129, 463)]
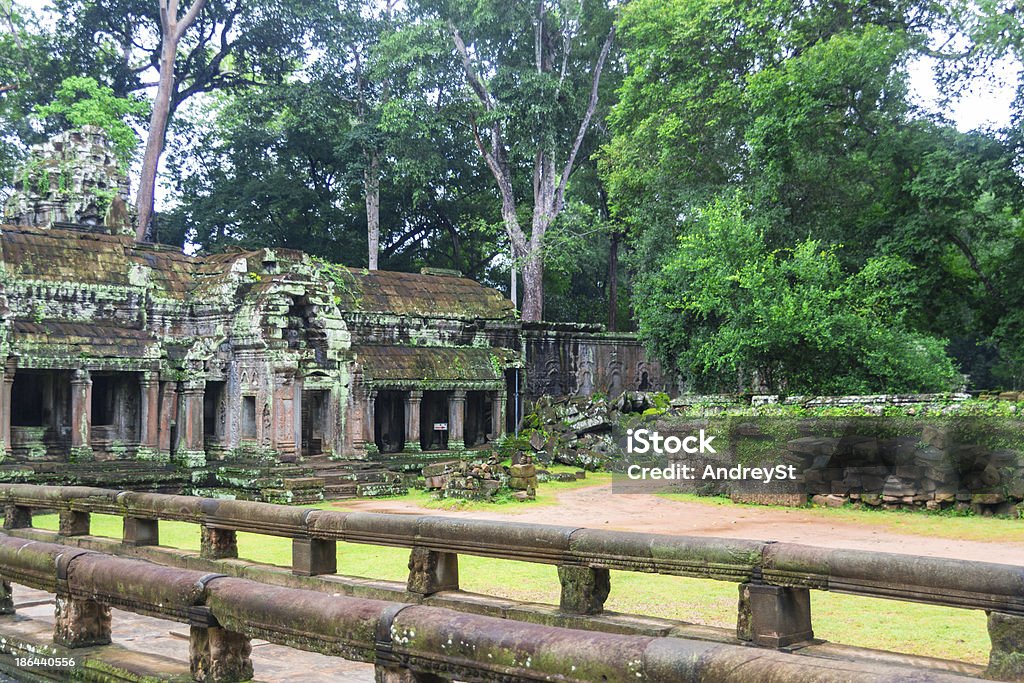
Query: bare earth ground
[(597, 507)]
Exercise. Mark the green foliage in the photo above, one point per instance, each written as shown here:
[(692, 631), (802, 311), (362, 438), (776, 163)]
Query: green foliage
[(803, 112), (727, 307), (81, 101)]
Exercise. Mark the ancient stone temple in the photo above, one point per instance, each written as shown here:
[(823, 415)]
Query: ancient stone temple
[(176, 371)]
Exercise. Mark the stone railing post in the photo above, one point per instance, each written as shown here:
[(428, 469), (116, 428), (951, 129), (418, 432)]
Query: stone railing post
[(313, 556), (774, 616), (412, 421), (457, 420), (81, 622), (138, 531), (218, 544), (17, 517), (431, 571), (1006, 659), (81, 416), (73, 523), (6, 598), (215, 654), (584, 589)]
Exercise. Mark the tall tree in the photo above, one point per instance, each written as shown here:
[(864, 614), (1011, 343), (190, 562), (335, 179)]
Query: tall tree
[(206, 46), (533, 72)]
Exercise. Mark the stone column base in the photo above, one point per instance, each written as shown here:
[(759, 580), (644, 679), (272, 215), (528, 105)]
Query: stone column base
[(191, 458), (81, 623), (149, 454), (217, 655), (81, 454)]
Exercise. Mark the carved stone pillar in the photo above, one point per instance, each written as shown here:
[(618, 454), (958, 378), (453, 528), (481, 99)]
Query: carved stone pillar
[(431, 571), (81, 416), (412, 421), (167, 418), (584, 589), (217, 655), (192, 452), (497, 416), (370, 426), (5, 409), (217, 544), (6, 598), (149, 424), (457, 420), (81, 623)]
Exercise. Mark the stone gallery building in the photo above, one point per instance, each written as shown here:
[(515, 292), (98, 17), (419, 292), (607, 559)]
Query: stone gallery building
[(217, 371)]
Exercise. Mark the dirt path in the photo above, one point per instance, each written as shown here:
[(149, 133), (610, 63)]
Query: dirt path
[(595, 507)]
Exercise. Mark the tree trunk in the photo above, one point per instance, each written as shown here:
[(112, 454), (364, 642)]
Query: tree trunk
[(533, 287), (371, 181), (613, 283), (157, 134)]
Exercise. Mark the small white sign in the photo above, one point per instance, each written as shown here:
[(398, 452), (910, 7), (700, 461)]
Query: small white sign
[(440, 426)]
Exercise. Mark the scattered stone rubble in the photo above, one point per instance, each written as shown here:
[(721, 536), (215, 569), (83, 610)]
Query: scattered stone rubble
[(482, 480)]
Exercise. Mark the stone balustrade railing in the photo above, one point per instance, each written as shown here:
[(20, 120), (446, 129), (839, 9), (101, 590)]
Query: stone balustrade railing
[(406, 643), (775, 578)]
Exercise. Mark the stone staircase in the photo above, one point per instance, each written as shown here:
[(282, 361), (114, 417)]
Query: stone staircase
[(355, 478)]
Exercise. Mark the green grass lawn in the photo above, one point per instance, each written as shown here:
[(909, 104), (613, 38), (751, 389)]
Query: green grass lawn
[(867, 622)]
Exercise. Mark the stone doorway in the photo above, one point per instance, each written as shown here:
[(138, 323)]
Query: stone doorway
[(314, 419), (389, 419), (40, 414), (478, 418), (434, 410)]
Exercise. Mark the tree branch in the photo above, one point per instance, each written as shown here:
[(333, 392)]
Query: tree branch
[(585, 123), (189, 17), (475, 81)]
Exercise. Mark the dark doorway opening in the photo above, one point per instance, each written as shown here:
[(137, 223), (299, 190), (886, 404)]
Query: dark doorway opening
[(389, 418), (314, 418), (434, 412), (478, 418)]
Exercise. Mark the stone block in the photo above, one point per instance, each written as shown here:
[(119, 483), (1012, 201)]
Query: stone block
[(431, 571), (217, 544), (311, 557), (73, 523), (81, 623), (774, 616), (584, 589), (217, 655), (17, 517), (139, 531), (1006, 659), (6, 598)]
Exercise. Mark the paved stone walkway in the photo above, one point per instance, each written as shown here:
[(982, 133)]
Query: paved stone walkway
[(272, 663)]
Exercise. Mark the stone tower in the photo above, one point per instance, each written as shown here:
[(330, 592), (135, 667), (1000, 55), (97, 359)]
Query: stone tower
[(74, 178)]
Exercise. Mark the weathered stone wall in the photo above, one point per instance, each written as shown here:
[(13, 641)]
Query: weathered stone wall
[(566, 359)]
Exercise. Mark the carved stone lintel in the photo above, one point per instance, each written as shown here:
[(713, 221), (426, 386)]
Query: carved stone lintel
[(81, 623), (217, 655)]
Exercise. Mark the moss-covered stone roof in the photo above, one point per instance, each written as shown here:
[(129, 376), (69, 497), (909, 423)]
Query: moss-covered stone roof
[(411, 364), (72, 256)]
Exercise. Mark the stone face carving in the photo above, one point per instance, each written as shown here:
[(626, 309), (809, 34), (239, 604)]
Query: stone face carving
[(73, 178)]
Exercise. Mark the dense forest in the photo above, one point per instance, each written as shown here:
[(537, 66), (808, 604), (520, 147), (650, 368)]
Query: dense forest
[(750, 185)]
